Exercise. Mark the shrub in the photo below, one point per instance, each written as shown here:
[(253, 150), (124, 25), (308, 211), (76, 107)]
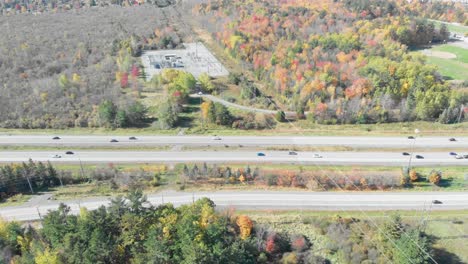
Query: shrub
[(280, 116), (414, 176), (435, 177), (299, 243)]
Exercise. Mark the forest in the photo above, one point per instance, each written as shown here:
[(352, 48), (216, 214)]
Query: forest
[(55, 74), (11, 7), (341, 61), (130, 230), (332, 62)]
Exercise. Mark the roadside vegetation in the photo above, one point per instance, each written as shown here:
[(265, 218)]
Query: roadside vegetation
[(445, 230), (19, 181), (132, 231)]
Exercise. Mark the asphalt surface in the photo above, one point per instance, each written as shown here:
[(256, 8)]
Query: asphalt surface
[(260, 141), (270, 200), (326, 158)]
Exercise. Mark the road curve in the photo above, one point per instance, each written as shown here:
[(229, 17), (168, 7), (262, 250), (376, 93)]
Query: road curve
[(258, 141), (271, 200), (327, 158), (237, 106)]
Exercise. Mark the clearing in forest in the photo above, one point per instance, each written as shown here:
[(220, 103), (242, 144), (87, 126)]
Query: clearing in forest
[(195, 58)]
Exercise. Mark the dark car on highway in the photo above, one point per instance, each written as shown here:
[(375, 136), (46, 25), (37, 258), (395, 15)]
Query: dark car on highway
[(410, 137), (56, 138), (405, 154), (436, 202), (132, 138), (452, 139), (69, 153), (114, 140), (292, 153), (419, 157), (260, 154), (452, 154)]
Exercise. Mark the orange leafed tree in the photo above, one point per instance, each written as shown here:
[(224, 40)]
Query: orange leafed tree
[(245, 226), (204, 109)]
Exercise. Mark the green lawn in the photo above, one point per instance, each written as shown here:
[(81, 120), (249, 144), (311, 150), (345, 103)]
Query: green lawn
[(450, 68), (455, 69), (462, 54), (451, 27)]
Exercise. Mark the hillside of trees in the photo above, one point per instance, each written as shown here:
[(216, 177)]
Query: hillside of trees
[(77, 69), (342, 61), (11, 7), (132, 231)]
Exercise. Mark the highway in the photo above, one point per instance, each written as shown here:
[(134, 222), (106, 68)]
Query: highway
[(271, 200), (258, 141), (327, 158)]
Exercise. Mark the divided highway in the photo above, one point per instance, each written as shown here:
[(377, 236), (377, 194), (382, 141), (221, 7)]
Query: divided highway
[(259, 141), (377, 201), (322, 158)]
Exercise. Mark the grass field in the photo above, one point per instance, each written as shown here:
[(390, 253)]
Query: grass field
[(461, 53), (451, 27), (449, 229), (450, 68), (18, 199), (454, 69)]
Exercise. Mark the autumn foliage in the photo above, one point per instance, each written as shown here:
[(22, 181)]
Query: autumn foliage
[(413, 175), (435, 177), (245, 226), (340, 61)]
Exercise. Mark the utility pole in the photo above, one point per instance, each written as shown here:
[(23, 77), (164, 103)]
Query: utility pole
[(462, 107), (30, 186), (81, 167), (39, 214)]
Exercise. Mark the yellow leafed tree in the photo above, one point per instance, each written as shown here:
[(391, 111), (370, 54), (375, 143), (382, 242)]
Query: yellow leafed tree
[(47, 257), (204, 109), (76, 78), (245, 226)]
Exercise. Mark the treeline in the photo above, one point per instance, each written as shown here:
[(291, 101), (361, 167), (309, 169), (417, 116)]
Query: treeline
[(33, 177), (335, 64), (27, 177), (111, 116), (35, 7), (450, 11), (305, 179), (130, 230), (71, 67)]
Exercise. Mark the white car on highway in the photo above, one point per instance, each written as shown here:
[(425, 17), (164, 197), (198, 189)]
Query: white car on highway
[(318, 156), (56, 156)]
